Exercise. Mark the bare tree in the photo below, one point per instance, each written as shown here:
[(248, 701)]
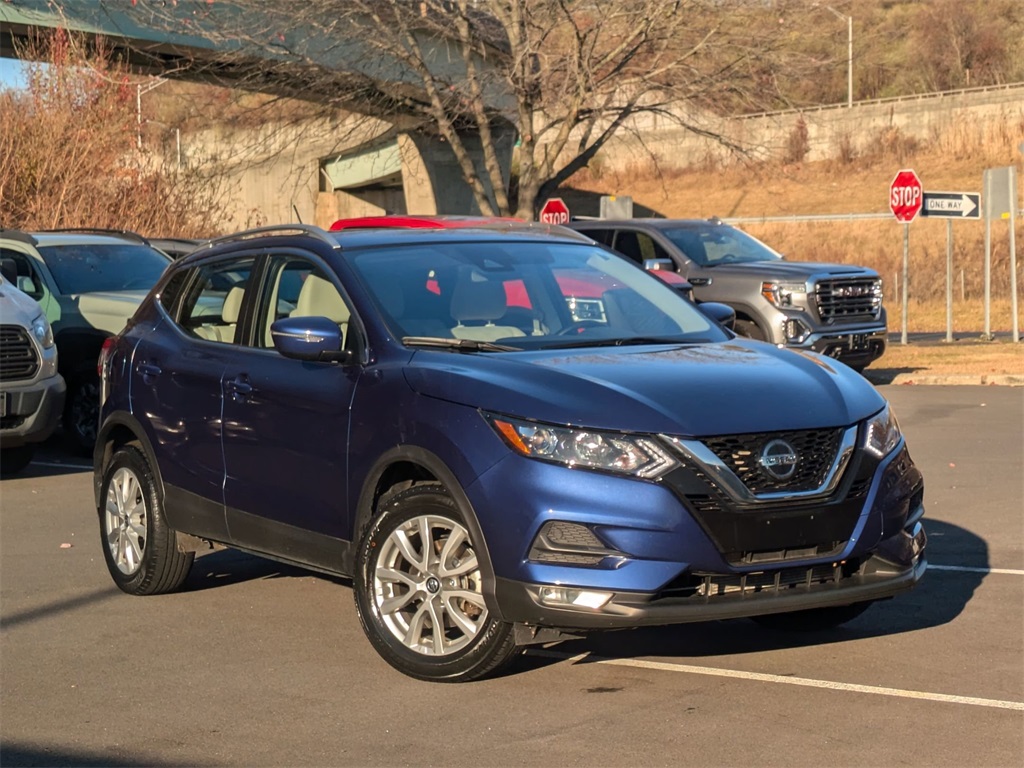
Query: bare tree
[(562, 76)]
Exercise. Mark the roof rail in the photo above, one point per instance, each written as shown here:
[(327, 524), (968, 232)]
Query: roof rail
[(306, 229), (101, 231), (17, 234)]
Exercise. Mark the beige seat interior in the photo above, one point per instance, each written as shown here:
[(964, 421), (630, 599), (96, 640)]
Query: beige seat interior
[(319, 298), (224, 330), (476, 303)]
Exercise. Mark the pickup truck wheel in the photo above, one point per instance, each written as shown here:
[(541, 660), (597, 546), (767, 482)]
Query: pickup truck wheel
[(813, 620), (82, 414), (749, 329), (140, 549), (419, 592), (13, 460)]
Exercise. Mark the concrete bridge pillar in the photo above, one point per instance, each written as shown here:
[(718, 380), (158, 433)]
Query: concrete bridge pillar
[(407, 174)]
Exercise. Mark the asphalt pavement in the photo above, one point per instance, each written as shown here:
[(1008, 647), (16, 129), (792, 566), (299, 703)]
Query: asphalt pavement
[(258, 664)]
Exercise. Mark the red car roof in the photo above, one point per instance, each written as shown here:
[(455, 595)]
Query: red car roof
[(418, 222)]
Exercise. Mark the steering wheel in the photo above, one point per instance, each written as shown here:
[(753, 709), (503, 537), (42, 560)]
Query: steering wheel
[(578, 327), (729, 257)]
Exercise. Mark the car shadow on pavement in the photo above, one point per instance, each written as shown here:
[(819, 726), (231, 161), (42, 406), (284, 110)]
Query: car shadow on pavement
[(19, 754), (221, 567), (886, 375), (938, 599)]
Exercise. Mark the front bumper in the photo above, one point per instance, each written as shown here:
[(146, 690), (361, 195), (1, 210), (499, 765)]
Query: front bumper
[(856, 348), (896, 567), (677, 550), (31, 411)]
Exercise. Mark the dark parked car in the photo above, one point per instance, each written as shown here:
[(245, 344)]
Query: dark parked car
[(431, 412), (834, 309)]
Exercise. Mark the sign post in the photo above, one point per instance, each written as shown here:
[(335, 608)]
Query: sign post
[(949, 206), (554, 211), (905, 199)]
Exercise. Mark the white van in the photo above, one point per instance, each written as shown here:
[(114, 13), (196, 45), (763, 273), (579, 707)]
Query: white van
[(31, 390)]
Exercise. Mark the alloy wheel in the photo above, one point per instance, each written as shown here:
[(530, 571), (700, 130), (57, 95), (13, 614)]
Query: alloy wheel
[(125, 518), (427, 586)]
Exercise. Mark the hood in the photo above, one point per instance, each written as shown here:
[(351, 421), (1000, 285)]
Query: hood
[(108, 310), (731, 387), (16, 306), (786, 270)]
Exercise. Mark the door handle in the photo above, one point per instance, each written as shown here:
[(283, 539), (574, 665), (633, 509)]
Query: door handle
[(149, 371), (239, 388)]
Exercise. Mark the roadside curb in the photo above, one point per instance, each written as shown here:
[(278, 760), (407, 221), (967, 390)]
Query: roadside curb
[(998, 379)]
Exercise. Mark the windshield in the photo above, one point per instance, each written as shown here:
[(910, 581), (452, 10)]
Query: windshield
[(524, 295), (95, 267), (715, 244)]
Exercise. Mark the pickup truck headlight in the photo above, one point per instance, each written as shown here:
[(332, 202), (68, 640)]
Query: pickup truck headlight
[(42, 331), (781, 294), (592, 449), (882, 433)]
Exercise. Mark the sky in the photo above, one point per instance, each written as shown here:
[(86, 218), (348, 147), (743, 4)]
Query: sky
[(11, 74)]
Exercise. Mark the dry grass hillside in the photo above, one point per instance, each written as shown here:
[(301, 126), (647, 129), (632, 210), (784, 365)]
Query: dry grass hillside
[(951, 160)]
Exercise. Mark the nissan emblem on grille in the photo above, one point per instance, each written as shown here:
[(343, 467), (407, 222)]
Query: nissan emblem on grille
[(779, 459)]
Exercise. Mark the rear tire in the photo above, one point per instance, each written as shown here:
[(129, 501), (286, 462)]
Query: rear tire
[(812, 620), (140, 549), (13, 460), (418, 591)]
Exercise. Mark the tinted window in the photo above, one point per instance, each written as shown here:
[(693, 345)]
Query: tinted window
[(212, 308), (603, 236), (639, 246), (104, 267), (719, 244), (171, 291)]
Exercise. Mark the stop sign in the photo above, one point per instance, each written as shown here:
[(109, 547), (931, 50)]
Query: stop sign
[(905, 196), (554, 211)]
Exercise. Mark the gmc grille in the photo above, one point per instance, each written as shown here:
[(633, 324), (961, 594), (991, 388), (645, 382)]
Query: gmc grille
[(18, 358), (848, 298)]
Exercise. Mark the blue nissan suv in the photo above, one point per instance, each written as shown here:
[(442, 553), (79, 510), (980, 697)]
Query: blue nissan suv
[(505, 434)]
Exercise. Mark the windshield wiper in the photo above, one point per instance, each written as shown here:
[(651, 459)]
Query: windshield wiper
[(628, 341), (459, 345)]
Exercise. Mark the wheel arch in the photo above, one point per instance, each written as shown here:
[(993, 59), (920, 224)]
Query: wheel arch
[(413, 464), (119, 430)]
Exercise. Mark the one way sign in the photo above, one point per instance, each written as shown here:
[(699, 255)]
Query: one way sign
[(951, 205)]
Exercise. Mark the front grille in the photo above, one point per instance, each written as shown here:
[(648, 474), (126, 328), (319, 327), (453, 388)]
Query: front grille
[(708, 586), (815, 450), (848, 298), (18, 358)]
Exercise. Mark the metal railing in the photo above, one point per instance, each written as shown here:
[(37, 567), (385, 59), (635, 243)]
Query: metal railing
[(886, 100)]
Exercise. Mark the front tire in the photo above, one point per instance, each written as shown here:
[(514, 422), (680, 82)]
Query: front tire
[(749, 329), (419, 591), (812, 620), (140, 549)]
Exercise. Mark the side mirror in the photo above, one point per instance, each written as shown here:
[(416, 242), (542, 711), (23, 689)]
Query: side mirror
[(9, 270), (720, 313), (316, 339), (656, 265)]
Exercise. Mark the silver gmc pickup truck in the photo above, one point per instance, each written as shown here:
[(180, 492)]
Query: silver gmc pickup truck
[(834, 309)]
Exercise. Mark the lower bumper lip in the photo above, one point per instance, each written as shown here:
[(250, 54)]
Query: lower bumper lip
[(880, 577)]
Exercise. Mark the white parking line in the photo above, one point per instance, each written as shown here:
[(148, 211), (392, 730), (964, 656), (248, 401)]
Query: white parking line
[(969, 569), (785, 680)]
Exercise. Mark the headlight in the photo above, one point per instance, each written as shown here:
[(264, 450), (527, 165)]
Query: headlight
[(42, 331), (609, 451), (882, 433), (781, 294)]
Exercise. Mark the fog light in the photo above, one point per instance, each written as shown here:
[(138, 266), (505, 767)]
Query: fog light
[(582, 598), (796, 331)]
